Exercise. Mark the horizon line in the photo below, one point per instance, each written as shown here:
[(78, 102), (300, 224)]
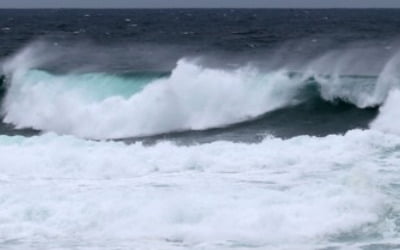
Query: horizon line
[(198, 8)]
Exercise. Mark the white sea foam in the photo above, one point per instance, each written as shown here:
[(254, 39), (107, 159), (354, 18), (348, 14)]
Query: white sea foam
[(388, 119), (302, 193), (193, 97)]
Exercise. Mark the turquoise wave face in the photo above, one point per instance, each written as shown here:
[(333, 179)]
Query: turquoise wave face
[(101, 105), (97, 85)]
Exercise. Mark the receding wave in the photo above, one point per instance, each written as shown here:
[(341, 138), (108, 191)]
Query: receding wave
[(190, 97)]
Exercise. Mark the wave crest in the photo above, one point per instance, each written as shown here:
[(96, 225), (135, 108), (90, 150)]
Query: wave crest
[(191, 97)]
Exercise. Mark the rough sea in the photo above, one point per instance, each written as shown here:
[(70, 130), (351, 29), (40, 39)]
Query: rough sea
[(200, 129)]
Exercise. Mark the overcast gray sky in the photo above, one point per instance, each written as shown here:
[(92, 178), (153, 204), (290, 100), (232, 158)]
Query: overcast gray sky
[(199, 3)]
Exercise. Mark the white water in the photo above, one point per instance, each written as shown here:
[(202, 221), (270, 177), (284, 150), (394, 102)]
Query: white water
[(388, 119), (194, 97), (302, 193)]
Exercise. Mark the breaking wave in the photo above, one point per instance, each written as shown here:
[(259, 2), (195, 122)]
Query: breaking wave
[(190, 97)]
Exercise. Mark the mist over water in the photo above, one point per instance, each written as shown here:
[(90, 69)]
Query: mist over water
[(199, 129)]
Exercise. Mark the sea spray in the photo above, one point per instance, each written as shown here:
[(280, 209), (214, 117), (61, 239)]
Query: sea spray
[(192, 96)]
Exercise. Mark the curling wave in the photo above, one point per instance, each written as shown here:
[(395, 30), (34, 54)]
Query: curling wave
[(191, 97)]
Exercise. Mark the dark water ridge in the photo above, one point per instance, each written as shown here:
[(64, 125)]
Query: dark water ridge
[(316, 118)]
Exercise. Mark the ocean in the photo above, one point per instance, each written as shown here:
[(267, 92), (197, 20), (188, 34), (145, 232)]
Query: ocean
[(200, 129)]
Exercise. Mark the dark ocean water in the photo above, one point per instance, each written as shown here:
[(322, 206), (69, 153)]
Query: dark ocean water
[(330, 42)]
